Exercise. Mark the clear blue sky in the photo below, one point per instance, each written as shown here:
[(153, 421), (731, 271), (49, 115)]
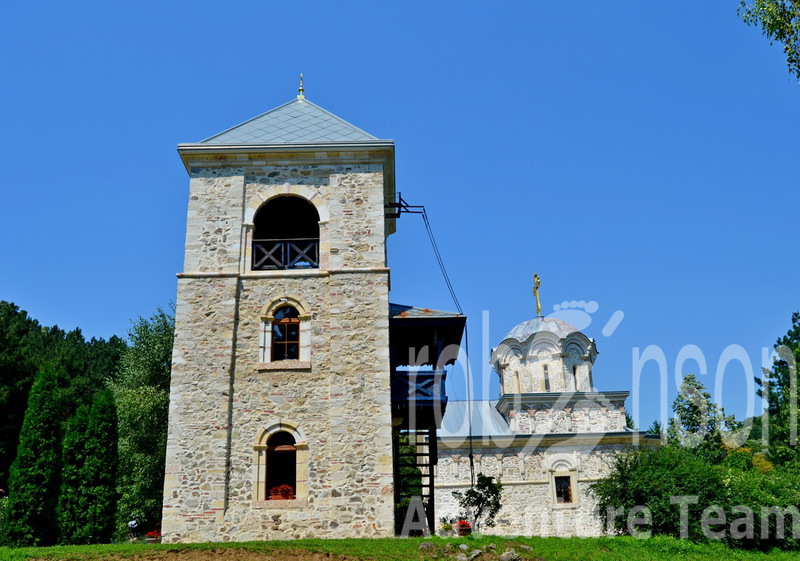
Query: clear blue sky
[(643, 155)]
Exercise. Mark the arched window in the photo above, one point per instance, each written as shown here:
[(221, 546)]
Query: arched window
[(546, 379), (575, 376), (286, 334), (286, 235), (281, 462), (280, 466)]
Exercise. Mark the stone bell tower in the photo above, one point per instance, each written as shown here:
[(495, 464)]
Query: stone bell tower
[(280, 421)]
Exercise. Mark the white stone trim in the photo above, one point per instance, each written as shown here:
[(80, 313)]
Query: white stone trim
[(281, 273), (285, 365)]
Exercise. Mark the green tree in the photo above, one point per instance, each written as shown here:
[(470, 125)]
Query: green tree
[(31, 517), (70, 500), (25, 346), (780, 388), (779, 21), (21, 349), (141, 392), (98, 472), (655, 428), (699, 423), (481, 501)]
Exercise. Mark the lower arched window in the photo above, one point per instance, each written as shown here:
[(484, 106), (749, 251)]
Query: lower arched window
[(281, 466)]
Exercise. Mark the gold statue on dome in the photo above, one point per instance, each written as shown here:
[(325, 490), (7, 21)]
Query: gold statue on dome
[(536, 284)]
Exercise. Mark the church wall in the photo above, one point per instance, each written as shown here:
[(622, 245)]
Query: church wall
[(566, 416), (339, 401), (528, 505)]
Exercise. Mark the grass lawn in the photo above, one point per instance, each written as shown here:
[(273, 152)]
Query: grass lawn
[(541, 549)]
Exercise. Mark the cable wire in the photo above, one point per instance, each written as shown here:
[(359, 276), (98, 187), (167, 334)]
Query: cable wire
[(468, 372)]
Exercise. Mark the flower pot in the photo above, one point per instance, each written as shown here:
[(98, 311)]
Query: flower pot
[(464, 531), (152, 540)]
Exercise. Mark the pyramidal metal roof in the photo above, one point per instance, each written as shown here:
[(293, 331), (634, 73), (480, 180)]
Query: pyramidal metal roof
[(298, 121)]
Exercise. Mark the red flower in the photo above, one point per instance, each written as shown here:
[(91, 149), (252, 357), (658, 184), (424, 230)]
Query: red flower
[(282, 490), (463, 524)]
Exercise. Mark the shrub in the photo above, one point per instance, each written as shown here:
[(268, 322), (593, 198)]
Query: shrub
[(482, 500), (746, 490), (652, 478)]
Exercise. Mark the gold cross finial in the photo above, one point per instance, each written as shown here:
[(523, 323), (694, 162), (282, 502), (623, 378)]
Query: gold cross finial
[(301, 90), (536, 284)]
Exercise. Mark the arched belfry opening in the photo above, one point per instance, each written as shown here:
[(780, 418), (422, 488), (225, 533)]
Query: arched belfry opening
[(286, 235)]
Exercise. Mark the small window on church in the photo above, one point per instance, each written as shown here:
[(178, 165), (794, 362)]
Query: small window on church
[(546, 379), (575, 376), (281, 466), (286, 334), (563, 489)]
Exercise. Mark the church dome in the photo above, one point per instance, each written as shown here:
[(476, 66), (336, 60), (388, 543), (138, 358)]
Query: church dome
[(524, 330)]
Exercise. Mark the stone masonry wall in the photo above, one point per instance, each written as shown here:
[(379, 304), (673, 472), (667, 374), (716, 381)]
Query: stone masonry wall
[(221, 400), (194, 484), (214, 221), (527, 497)]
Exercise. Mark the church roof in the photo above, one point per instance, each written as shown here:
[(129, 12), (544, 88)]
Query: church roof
[(554, 325), (296, 122), (486, 420)]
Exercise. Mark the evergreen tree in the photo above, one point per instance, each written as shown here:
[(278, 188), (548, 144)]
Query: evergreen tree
[(31, 517), (655, 428), (70, 500), (21, 349), (98, 473), (25, 346)]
